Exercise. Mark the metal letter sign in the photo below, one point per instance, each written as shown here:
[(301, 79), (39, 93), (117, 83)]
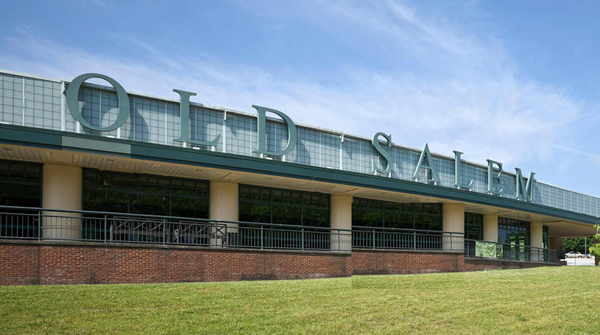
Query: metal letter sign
[(458, 172), (262, 132), (386, 155), (524, 191), (431, 175), (73, 101), (184, 112), (494, 177)]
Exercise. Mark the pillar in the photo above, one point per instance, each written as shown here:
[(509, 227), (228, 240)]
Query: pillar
[(61, 189), (224, 206), (490, 227), (453, 221), (536, 240), (341, 218)]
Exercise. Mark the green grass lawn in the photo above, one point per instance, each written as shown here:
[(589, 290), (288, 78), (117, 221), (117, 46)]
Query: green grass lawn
[(538, 301)]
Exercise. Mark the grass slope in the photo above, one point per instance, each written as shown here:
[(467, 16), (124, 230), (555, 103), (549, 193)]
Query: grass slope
[(538, 301)]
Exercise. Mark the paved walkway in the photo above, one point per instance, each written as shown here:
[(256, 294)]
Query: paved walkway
[(580, 261)]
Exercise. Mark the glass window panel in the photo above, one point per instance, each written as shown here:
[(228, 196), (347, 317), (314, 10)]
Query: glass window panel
[(254, 194), (20, 184), (4, 171), (286, 215), (277, 196), (260, 213), (373, 219), (389, 206), (284, 206), (144, 194), (295, 198), (397, 215), (244, 193), (315, 217), (189, 207), (265, 195), (20, 195)]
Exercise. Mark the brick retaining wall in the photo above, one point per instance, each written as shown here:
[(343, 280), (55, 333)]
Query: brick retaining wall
[(366, 262), (48, 263), (26, 264)]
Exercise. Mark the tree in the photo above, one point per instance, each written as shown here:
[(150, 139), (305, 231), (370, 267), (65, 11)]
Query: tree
[(595, 248), (578, 244)]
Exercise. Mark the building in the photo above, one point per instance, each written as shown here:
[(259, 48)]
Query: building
[(103, 185)]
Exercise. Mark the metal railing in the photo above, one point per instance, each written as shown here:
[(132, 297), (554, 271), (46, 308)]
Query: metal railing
[(50, 224), (414, 239), (508, 251)]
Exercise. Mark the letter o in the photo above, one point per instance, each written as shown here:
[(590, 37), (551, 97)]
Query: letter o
[(73, 101)]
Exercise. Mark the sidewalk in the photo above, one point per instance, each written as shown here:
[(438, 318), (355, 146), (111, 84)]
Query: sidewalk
[(580, 261)]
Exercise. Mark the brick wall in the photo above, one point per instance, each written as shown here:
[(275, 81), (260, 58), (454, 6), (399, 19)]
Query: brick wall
[(18, 264), (26, 264), (403, 262), (65, 263)]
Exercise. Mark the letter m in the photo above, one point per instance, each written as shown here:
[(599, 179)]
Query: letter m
[(524, 191)]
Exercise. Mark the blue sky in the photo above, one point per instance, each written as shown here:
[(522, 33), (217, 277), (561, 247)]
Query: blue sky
[(512, 81)]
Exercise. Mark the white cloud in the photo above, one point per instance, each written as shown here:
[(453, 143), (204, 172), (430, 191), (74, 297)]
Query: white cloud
[(472, 99)]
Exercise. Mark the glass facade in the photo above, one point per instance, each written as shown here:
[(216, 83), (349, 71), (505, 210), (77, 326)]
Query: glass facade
[(35, 102), (516, 236), (20, 185), (273, 205), (280, 206), (108, 191), (369, 214), (473, 226), (376, 213)]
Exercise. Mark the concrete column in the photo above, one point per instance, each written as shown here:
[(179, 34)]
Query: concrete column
[(490, 227), (536, 240), (224, 200), (224, 205), (453, 221), (61, 189), (341, 218)]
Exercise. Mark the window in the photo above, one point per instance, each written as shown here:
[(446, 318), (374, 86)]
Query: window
[(376, 213), (107, 191), (20, 185), (280, 206), (367, 213), (473, 226), (117, 192), (272, 205), (515, 234)]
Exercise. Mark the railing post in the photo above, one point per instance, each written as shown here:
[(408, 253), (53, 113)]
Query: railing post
[(164, 231), (373, 238), (450, 241), (414, 240), (262, 236), (105, 228), (215, 232), (339, 242), (302, 238), (39, 225)]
